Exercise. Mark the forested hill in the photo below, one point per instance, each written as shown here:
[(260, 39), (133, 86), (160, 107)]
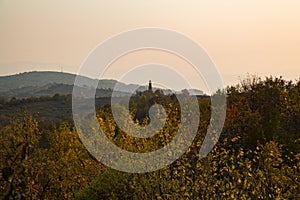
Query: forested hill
[(39, 79), (48, 83)]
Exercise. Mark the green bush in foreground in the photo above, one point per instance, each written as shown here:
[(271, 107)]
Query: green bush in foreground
[(225, 174)]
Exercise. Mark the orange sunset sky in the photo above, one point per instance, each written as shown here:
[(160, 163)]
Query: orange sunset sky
[(255, 37)]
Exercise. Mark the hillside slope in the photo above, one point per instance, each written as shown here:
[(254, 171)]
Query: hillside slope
[(48, 83)]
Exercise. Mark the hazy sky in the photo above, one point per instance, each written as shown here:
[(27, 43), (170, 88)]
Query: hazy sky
[(256, 37)]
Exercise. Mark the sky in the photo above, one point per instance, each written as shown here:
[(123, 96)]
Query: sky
[(240, 36)]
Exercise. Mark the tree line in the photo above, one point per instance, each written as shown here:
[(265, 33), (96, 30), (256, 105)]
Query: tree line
[(256, 157)]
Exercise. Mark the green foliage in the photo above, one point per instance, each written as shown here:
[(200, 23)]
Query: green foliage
[(16, 144), (264, 110), (257, 156), (224, 174), (38, 171), (254, 158)]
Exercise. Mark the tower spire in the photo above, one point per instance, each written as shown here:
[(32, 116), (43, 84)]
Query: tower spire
[(150, 86)]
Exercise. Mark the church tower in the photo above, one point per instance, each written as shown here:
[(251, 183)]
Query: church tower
[(150, 86)]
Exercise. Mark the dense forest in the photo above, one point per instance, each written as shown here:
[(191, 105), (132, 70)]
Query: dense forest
[(256, 157)]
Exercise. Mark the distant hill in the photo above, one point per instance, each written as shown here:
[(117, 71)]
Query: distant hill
[(37, 91), (50, 90), (46, 77), (34, 79), (48, 83)]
